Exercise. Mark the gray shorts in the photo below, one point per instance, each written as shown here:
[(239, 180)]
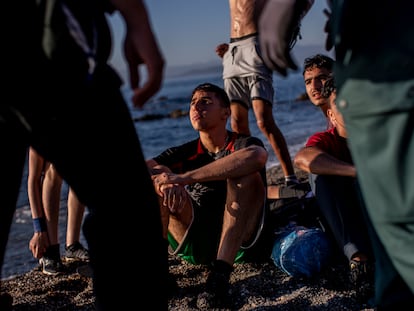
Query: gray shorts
[(245, 75)]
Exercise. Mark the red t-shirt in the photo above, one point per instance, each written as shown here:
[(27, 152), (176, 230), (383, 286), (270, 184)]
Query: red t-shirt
[(330, 142)]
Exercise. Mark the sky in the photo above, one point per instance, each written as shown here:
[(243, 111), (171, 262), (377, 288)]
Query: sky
[(189, 30)]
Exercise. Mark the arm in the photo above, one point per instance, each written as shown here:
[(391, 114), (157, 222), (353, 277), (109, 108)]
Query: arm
[(40, 239), (166, 191), (315, 160), (240, 163), (140, 47), (155, 168)]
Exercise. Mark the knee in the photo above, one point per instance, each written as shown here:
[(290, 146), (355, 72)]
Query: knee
[(247, 186), (261, 124), (266, 125)]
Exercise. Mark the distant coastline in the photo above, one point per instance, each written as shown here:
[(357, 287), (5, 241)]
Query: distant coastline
[(300, 52)]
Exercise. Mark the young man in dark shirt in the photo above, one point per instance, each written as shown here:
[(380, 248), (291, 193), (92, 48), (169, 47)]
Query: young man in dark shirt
[(212, 193)]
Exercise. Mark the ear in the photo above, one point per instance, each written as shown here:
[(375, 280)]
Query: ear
[(331, 115), (226, 112)]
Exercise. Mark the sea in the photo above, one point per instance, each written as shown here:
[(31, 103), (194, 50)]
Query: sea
[(297, 119)]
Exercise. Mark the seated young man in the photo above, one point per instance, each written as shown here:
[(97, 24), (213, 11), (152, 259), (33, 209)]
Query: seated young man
[(316, 70), (327, 157), (212, 193)]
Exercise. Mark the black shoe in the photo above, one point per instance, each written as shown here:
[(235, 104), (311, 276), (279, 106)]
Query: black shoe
[(216, 294), (361, 276), (360, 272), (51, 266), (6, 302), (51, 263), (76, 252)]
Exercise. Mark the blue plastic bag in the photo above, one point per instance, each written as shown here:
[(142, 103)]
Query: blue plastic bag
[(301, 251)]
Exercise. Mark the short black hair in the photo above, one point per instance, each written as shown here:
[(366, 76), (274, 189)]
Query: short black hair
[(318, 61), (218, 91)]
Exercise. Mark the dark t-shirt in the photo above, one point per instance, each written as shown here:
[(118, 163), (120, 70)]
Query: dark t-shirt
[(208, 197), (193, 155)]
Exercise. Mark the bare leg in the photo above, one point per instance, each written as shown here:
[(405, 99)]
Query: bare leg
[(52, 186), (242, 214), (75, 216), (239, 119), (176, 223), (266, 123)]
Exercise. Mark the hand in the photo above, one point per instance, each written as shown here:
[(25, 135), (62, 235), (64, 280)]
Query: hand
[(38, 244), (221, 49), (277, 25), (141, 48), (168, 178), (174, 195)]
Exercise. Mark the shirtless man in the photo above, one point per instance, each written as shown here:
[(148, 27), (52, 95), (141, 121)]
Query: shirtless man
[(249, 83)]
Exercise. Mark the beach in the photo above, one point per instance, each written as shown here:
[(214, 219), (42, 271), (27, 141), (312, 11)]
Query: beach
[(297, 119), (254, 286)]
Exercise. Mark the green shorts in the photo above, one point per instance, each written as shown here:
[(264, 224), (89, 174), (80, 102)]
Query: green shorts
[(186, 252), (203, 236)]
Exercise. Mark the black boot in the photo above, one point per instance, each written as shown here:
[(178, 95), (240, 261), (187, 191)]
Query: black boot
[(216, 294)]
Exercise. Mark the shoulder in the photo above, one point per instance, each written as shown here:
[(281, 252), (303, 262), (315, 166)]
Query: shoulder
[(320, 137), (180, 151), (242, 141)]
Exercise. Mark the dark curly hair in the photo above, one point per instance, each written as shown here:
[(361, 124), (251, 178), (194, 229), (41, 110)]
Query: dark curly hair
[(318, 61)]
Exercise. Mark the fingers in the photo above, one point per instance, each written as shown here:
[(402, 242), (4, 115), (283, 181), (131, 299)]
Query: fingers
[(174, 197), (37, 246), (278, 63), (141, 49)]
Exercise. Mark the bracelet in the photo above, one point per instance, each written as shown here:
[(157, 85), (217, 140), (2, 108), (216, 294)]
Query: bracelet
[(39, 224)]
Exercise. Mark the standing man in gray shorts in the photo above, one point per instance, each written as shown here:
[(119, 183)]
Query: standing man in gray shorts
[(249, 82)]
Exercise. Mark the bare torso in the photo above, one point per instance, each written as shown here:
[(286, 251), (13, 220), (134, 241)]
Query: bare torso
[(243, 17)]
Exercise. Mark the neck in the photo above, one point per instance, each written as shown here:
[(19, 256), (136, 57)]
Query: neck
[(214, 143)]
